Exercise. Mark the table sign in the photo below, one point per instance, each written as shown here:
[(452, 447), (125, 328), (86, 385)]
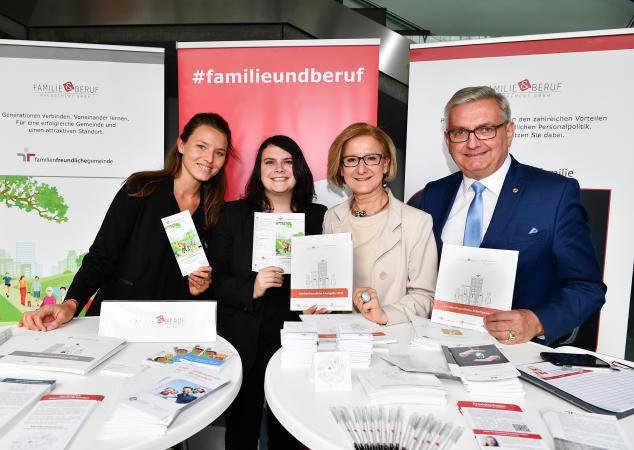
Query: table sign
[(333, 371), (159, 321), (473, 283)]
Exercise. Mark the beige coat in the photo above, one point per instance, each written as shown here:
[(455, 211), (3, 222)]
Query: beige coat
[(406, 262)]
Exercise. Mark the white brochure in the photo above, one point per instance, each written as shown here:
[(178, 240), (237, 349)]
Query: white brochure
[(17, 395), (585, 431), (333, 371), (322, 272), (57, 352), (52, 423), (473, 283), (501, 425), (272, 235), (185, 242), (159, 321)]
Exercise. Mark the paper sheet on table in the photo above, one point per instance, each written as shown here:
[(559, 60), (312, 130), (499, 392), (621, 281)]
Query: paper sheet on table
[(585, 431)]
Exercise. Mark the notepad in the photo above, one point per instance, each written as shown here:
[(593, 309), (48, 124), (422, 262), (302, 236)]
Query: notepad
[(595, 391)]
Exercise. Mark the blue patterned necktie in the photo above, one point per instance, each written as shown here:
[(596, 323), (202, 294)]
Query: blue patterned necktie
[(473, 225)]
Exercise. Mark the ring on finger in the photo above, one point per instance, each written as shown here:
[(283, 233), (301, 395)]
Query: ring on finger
[(512, 335)]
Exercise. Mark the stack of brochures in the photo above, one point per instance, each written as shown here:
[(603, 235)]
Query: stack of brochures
[(358, 344), (485, 372), (57, 352), (299, 344), (151, 400), (18, 395), (391, 385)]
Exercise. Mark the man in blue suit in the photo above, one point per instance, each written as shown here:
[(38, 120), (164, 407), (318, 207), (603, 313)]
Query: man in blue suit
[(497, 202)]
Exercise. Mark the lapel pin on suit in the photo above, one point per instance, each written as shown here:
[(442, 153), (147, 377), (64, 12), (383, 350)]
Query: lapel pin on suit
[(515, 190), (533, 231)]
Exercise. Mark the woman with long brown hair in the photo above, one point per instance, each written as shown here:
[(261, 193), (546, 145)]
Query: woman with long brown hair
[(131, 257)]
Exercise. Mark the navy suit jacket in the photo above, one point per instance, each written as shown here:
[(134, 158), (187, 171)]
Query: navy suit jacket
[(539, 214)]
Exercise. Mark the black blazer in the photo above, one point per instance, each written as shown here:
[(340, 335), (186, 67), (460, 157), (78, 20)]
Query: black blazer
[(131, 257), (249, 324)]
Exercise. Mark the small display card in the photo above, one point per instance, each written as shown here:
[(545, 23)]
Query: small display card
[(159, 321), (333, 371)]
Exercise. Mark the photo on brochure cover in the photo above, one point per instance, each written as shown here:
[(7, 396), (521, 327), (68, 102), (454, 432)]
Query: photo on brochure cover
[(283, 235), (480, 355), (180, 391)]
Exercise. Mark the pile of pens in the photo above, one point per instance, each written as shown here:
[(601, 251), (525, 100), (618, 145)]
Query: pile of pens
[(378, 428)]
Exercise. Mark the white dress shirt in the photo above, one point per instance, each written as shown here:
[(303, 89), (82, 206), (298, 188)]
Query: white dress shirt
[(453, 232)]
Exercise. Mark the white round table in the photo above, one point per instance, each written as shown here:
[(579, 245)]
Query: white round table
[(304, 413), (187, 423)]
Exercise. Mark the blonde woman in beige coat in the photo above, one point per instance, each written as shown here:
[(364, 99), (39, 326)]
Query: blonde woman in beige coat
[(395, 259)]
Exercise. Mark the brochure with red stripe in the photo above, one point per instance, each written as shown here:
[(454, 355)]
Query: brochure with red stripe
[(501, 425)]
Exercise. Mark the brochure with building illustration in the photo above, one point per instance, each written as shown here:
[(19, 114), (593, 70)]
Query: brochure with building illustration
[(322, 272), (473, 283), (185, 243), (272, 235)]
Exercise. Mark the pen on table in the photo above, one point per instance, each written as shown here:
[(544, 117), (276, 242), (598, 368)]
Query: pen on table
[(427, 432), (434, 438), (619, 364), (453, 438), (339, 418), (382, 424), (360, 426), (355, 429)]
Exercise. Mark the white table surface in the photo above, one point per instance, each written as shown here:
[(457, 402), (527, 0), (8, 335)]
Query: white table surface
[(305, 414), (186, 424)]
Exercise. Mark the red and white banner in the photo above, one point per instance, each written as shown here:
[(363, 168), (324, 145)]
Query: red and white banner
[(308, 90), (571, 96)]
